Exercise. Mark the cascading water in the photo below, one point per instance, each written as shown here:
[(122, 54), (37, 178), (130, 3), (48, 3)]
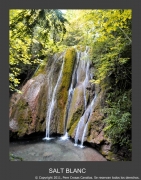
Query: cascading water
[(81, 124), (69, 105), (51, 105), (84, 132), (90, 110), (84, 66), (85, 83), (81, 74), (70, 94)]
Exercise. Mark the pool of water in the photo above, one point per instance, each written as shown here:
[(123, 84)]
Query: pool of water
[(53, 150)]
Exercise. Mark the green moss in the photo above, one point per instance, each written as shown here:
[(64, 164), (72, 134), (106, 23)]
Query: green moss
[(71, 131), (62, 95), (38, 126), (89, 128), (21, 104), (111, 156), (41, 69), (77, 106), (41, 108), (14, 109), (75, 117), (24, 120), (88, 138), (23, 127), (81, 48), (23, 116), (12, 157)]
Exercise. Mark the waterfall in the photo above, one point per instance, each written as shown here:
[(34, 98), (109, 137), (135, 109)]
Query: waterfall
[(81, 75), (70, 94), (80, 124), (51, 105), (65, 137), (60, 97), (84, 132), (90, 109), (85, 83), (84, 66)]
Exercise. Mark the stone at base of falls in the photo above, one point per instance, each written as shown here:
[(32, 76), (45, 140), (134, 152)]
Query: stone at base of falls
[(32, 153), (47, 154)]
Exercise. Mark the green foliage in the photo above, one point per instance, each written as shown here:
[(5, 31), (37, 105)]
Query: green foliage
[(40, 69), (112, 62), (75, 29), (33, 34), (118, 121), (111, 55), (108, 33), (12, 157)]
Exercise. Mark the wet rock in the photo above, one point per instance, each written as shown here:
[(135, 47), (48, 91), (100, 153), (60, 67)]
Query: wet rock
[(105, 149), (29, 112), (76, 110), (32, 153), (99, 138), (62, 95), (24, 107), (13, 125), (47, 154)]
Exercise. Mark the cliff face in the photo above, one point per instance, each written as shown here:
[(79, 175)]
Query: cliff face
[(28, 110), (43, 98), (60, 99)]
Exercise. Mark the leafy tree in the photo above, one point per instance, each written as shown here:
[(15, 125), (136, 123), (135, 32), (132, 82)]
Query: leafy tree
[(78, 30), (111, 54), (33, 34), (108, 33)]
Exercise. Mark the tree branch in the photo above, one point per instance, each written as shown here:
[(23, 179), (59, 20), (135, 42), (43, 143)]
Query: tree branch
[(126, 35)]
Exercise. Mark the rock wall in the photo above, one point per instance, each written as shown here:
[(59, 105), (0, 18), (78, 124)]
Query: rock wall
[(29, 111), (26, 112)]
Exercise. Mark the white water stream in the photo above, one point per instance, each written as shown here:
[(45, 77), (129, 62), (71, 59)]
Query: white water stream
[(51, 106), (83, 122), (81, 74)]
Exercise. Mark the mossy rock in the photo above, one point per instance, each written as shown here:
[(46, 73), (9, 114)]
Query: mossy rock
[(23, 116), (41, 109), (111, 156), (76, 106), (41, 69), (62, 95), (81, 48), (12, 157), (29, 111), (71, 131)]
